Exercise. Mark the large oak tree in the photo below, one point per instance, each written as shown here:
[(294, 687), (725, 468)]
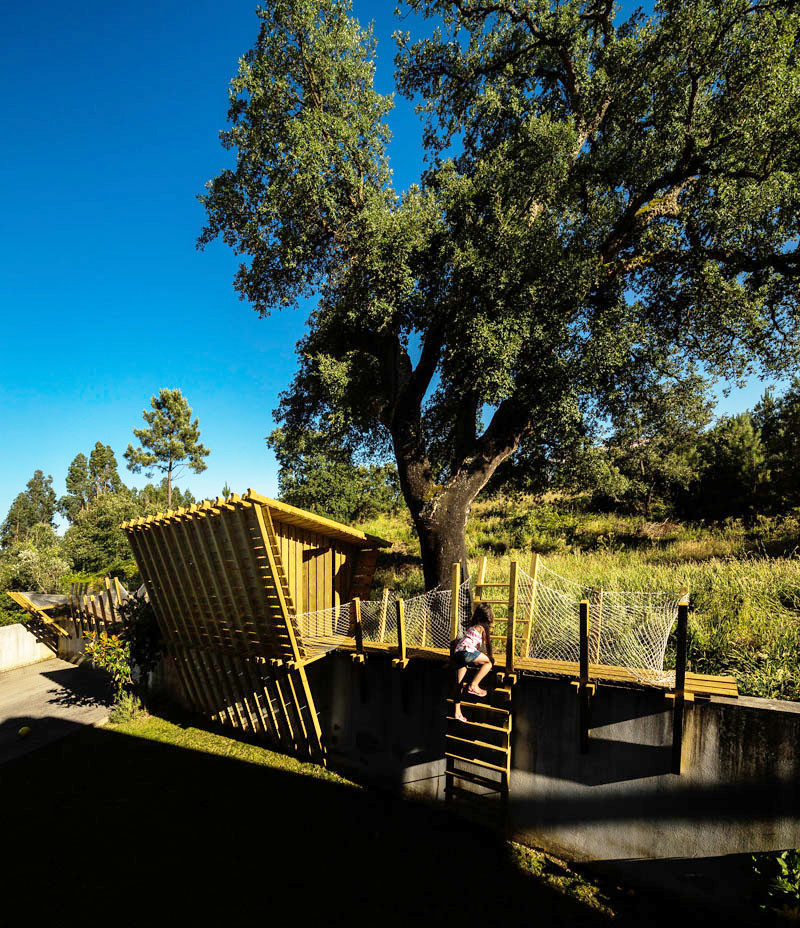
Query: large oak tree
[(607, 202)]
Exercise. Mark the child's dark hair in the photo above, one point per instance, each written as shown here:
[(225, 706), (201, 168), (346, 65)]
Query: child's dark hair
[(482, 615)]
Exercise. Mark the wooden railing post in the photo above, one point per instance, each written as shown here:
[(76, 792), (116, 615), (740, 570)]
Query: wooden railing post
[(481, 579), (384, 610), (512, 618), (531, 605), (402, 660), (599, 604), (358, 631), (455, 592), (680, 684), (583, 679)]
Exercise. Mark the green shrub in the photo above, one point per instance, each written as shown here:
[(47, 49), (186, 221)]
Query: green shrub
[(779, 883)]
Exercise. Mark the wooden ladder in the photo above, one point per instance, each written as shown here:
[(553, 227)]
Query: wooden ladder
[(478, 756), (276, 553)]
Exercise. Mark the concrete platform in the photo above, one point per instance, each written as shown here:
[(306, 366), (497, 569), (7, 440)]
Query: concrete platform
[(53, 698)]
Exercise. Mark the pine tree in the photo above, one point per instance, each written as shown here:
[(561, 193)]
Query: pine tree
[(170, 441), (103, 470), (35, 506)]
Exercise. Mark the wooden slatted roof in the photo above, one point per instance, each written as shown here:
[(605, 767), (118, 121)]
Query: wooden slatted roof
[(290, 515)]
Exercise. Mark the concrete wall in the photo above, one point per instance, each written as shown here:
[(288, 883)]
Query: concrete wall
[(18, 647), (739, 792)]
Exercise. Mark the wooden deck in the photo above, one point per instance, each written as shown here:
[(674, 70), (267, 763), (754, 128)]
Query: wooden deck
[(697, 684)]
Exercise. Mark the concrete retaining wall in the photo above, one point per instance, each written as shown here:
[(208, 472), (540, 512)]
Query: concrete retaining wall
[(18, 647), (739, 792)]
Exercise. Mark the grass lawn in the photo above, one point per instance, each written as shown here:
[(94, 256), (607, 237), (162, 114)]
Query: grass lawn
[(155, 821)]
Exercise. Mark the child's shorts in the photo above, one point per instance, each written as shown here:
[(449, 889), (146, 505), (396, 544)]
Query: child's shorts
[(465, 658)]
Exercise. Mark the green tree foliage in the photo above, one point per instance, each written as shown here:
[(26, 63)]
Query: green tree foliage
[(606, 200), (155, 497), (778, 419), (103, 474), (652, 457), (35, 506), (36, 564), (170, 441), (734, 473), (320, 476), (79, 488), (86, 480), (95, 542)]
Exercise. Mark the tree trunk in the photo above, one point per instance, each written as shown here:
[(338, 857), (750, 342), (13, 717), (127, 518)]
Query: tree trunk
[(169, 486), (442, 530)]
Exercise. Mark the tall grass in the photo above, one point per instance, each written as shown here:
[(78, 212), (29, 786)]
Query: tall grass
[(744, 580)]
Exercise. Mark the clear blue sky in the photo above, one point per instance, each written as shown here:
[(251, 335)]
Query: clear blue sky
[(111, 113)]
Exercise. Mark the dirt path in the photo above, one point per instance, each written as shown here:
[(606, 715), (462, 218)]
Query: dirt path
[(52, 698)]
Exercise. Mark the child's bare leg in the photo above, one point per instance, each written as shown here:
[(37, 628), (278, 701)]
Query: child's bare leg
[(484, 665), (461, 673)]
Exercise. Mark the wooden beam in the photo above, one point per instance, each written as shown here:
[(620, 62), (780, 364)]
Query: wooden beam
[(599, 607), (532, 604), (681, 645), (402, 660), (384, 610), (481, 578), (455, 592), (583, 678), (512, 618), (358, 631)]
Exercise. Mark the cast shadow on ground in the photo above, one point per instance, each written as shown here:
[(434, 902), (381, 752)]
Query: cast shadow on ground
[(154, 832)]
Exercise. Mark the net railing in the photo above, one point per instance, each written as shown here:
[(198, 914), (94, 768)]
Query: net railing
[(426, 617), (625, 629)]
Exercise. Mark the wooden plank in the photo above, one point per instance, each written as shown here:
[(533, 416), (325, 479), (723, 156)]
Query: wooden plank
[(190, 533), (170, 581), (288, 621), (201, 631), (195, 689)]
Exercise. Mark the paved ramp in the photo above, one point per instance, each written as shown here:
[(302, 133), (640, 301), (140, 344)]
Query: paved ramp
[(53, 698)]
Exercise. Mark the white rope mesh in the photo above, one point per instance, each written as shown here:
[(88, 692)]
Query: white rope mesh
[(626, 629), (326, 629)]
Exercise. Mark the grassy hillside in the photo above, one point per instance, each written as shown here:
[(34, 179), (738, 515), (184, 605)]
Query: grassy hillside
[(744, 581)]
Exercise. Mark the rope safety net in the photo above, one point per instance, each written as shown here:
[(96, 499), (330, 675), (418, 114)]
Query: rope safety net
[(427, 620), (626, 629)]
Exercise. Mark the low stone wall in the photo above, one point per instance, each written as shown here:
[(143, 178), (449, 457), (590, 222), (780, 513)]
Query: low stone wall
[(19, 647)]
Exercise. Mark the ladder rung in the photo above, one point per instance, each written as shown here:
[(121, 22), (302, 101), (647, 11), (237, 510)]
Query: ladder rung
[(480, 744), (480, 586), (452, 718), (496, 786), (479, 763), (495, 602), (478, 705)]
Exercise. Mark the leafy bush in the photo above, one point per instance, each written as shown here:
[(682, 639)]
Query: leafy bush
[(130, 656), (779, 878), (112, 654)]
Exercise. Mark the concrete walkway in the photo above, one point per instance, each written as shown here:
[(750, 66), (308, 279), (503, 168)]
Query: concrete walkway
[(53, 698)]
